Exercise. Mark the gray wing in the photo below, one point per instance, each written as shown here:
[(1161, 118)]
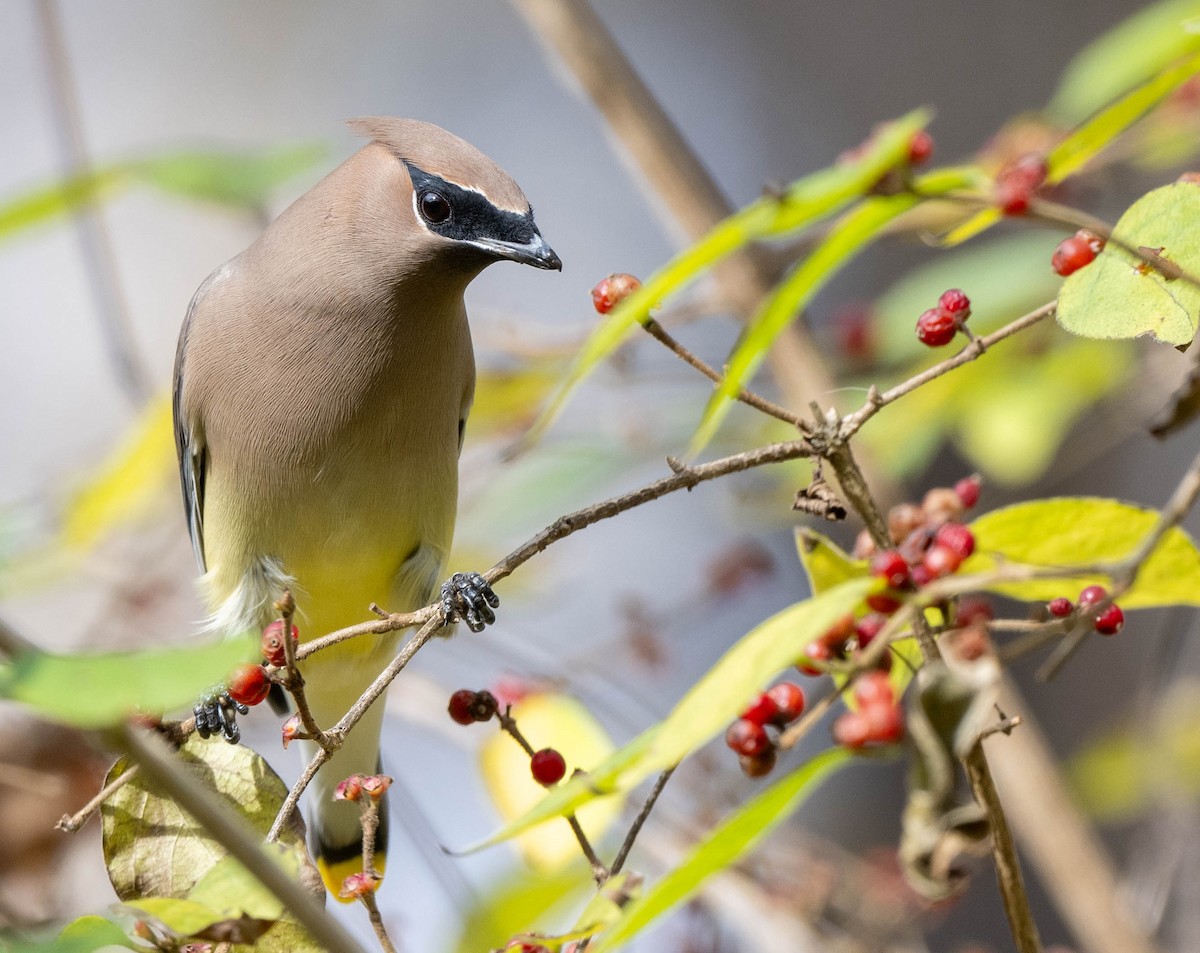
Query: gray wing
[(189, 439)]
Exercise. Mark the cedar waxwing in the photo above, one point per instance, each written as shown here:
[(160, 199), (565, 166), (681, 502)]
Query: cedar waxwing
[(322, 384)]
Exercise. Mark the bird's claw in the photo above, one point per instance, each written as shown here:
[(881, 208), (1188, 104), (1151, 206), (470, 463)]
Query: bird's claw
[(216, 713), (466, 596)]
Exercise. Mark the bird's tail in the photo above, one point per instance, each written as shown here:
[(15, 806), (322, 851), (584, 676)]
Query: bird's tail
[(335, 836)]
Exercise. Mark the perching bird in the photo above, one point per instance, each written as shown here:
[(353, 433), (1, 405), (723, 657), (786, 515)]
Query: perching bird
[(322, 385)]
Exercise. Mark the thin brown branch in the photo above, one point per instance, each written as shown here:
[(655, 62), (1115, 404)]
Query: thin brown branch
[(294, 680), (370, 829), (600, 873), (852, 423), (70, 823), (1004, 855), (639, 821), (749, 397), (232, 832)]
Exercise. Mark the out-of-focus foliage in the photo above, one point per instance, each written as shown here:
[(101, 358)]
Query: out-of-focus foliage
[(522, 902), (100, 689), (1129, 769), (1120, 295), (1086, 532), (241, 181), (1130, 53)]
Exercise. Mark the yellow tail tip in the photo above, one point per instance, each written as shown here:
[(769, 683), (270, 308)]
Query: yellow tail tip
[(345, 879)]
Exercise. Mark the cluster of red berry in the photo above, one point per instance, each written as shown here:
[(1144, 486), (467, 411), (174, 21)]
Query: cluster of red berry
[(777, 707), (467, 707), (249, 683), (878, 720), (1109, 621), (937, 326), (1075, 252)]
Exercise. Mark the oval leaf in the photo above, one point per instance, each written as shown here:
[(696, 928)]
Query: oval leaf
[(152, 848), (1118, 296), (1073, 531)]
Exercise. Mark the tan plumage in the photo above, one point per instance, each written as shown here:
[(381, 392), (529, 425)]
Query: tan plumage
[(322, 381)]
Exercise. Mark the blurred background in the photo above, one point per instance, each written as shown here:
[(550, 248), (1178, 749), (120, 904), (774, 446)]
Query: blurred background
[(196, 124)]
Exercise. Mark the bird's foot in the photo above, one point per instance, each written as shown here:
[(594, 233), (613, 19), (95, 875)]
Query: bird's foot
[(467, 597), (216, 712)]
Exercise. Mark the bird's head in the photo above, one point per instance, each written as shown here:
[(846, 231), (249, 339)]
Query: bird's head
[(463, 206)]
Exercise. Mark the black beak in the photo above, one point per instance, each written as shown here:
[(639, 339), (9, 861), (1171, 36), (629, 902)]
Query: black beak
[(534, 252)]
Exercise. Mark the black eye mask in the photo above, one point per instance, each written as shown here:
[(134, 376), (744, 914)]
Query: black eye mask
[(472, 216)]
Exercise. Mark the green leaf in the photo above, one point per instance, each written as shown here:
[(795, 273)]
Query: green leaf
[(706, 709), (92, 933), (184, 918), (825, 563), (806, 201), (241, 180), (1074, 531), (1130, 53), (736, 836), (51, 202), (1116, 296), (849, 235), (153, 848), (1086, 142), (100, 689)]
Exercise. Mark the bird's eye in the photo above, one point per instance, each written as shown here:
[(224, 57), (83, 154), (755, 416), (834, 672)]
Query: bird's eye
[(434, 207)]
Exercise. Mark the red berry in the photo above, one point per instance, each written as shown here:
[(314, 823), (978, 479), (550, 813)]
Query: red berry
[(762, 710), (957, 538), (272, 642), (789, 702), (837, 634), (1092, 594), (883, 602), (547, 766), (746, 737), (922, 575), (890, 566), (462, 706), (940, 561), (902, 519), (967, 489), (1071, 255), (755, 766), (885, 723), (1060, 607), (610, 291), (873, 688), (936, 328), (868, 627), (955, 303), (920, 147), (818, 652), (1017, 181), (972, 609), (851, 730), (248, 684), (1110, 621)]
